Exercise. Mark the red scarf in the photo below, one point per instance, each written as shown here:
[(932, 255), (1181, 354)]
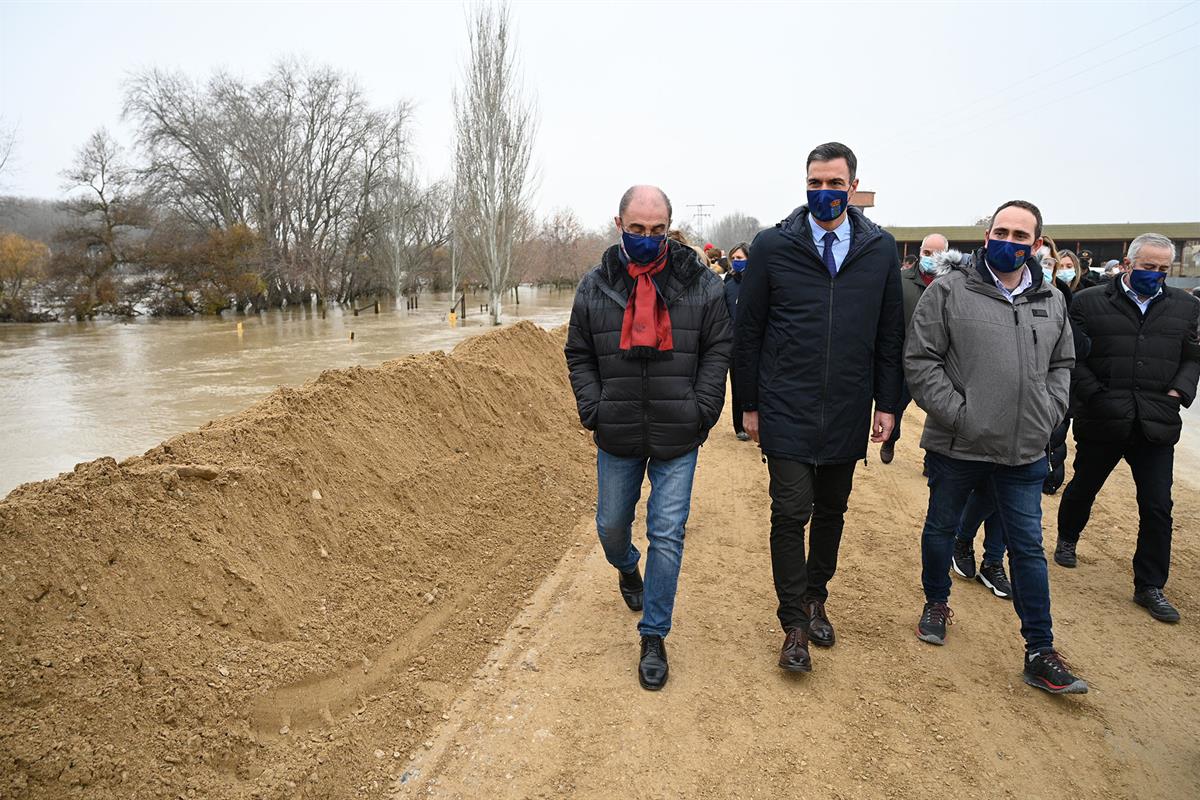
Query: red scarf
[(927, 279), (647, 323)]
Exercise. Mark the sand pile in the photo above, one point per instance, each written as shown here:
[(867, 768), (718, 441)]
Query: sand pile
[(281, 603)]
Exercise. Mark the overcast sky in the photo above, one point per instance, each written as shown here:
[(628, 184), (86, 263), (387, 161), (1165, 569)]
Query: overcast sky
[(1091, 110)]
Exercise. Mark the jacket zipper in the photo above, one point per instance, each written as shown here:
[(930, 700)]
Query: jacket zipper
[(825, 381), (1020, 376), (645, 408)]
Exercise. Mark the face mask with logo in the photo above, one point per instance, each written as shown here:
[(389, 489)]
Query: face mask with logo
[(1067, 275), (927, 265), (642, 249), (1146, 282), (738, 264), (1005, 256), (827, 204)]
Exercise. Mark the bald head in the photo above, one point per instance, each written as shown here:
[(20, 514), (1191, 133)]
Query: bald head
[(644, 210), (934, 243)]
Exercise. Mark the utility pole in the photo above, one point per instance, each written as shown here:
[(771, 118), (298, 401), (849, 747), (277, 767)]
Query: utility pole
[(701, 215)]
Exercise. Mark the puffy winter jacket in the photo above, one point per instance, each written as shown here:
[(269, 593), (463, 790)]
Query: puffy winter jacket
[(1134, 361), (650, 407), (812, 351), (993, 376)]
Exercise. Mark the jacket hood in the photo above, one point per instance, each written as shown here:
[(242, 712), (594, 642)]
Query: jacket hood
[(945, 261), (685, 266), (973, 265)]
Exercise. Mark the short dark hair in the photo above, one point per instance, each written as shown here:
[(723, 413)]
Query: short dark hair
[(1028, 206), (831, 151), (627, 198)]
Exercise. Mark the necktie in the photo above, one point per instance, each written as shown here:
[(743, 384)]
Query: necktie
[(829, 238)]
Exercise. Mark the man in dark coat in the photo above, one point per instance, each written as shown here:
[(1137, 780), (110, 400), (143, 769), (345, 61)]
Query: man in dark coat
[(819, 334), (648, 349), (913, 282), (1143, 365)]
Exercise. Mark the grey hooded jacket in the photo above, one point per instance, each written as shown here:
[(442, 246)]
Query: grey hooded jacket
[(993, 376)]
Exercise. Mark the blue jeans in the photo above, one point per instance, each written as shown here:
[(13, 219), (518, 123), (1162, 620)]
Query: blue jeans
[(619, 486), (980, 511), (1016, 495)]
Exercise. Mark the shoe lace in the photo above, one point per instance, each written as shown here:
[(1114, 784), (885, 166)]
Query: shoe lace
[(653, 646), (817, 610), (1055, 660), (939, 614)]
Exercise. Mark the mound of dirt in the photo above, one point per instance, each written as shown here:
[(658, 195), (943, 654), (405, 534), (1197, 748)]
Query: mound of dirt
[(282, 603)]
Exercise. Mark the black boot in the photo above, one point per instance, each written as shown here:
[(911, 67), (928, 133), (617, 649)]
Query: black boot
[(631, 588), (652, 668)]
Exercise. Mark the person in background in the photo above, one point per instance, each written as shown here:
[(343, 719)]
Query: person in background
[(739, 256), (1112, 268), (1143, 367), (909, 262), (820, 327), (1069, 272), (648, 349), (913, 284), (989, 358), (675, 234)]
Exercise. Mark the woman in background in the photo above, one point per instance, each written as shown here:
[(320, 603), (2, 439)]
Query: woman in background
[(739, 255)]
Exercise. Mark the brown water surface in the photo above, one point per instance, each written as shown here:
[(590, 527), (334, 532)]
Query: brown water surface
[(72, 392)]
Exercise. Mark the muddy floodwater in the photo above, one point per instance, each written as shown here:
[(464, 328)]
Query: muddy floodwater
[(74, 392)]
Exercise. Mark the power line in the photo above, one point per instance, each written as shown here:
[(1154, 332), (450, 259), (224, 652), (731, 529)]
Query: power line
[(701, 215), (1090, 50)]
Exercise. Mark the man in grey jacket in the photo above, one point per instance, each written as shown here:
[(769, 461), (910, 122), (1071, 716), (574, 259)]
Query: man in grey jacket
[(988, 357)]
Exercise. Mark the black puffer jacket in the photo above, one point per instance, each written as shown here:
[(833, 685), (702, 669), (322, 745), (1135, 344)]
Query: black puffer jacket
[(813, 352), (1134, 361), (656, 408)]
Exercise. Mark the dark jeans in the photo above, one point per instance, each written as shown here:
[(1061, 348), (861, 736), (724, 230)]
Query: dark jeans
[(905, 399), (1016, 494), (1152, 466), (800, 492), (736, 400), (980, 511)]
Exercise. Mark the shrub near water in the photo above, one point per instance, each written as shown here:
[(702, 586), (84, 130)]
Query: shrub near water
[(266, 602)]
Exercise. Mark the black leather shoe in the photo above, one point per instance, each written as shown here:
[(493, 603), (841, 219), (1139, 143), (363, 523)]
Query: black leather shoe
[(1153, 600), (652, 668), (1064, 553), (887, 452), (631, 588), (794, 655), (819, 629)]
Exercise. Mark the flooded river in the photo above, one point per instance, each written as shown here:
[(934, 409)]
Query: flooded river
[(74, 392)]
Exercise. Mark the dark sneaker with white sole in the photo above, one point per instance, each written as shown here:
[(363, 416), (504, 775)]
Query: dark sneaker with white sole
[(1064, 553), (963, 561), (1153, 600), (932, 625), (1048, 671), (991, 575)]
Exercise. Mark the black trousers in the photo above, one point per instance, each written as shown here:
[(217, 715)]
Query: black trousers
[(800, 492), (1152, 466), (737, 400)]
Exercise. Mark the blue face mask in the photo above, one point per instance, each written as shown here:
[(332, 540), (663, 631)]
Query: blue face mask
[(642, 249), (827, 204), (1067, 275), (1146, 282), (1005, 256), (738, 264), (927, 265)]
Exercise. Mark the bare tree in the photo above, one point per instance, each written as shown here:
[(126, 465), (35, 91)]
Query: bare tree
[(734, 228), (8, 141), (100, 239), (495, 129)]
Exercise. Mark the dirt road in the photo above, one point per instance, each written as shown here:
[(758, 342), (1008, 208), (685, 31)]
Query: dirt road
[(557, 711)]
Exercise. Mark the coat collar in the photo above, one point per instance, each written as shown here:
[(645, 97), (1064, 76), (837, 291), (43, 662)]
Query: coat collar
[(685, 269)]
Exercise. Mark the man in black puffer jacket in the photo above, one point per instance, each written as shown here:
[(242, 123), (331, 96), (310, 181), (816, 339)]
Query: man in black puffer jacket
[(648, 349), (819, 334), (1143, 365)]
